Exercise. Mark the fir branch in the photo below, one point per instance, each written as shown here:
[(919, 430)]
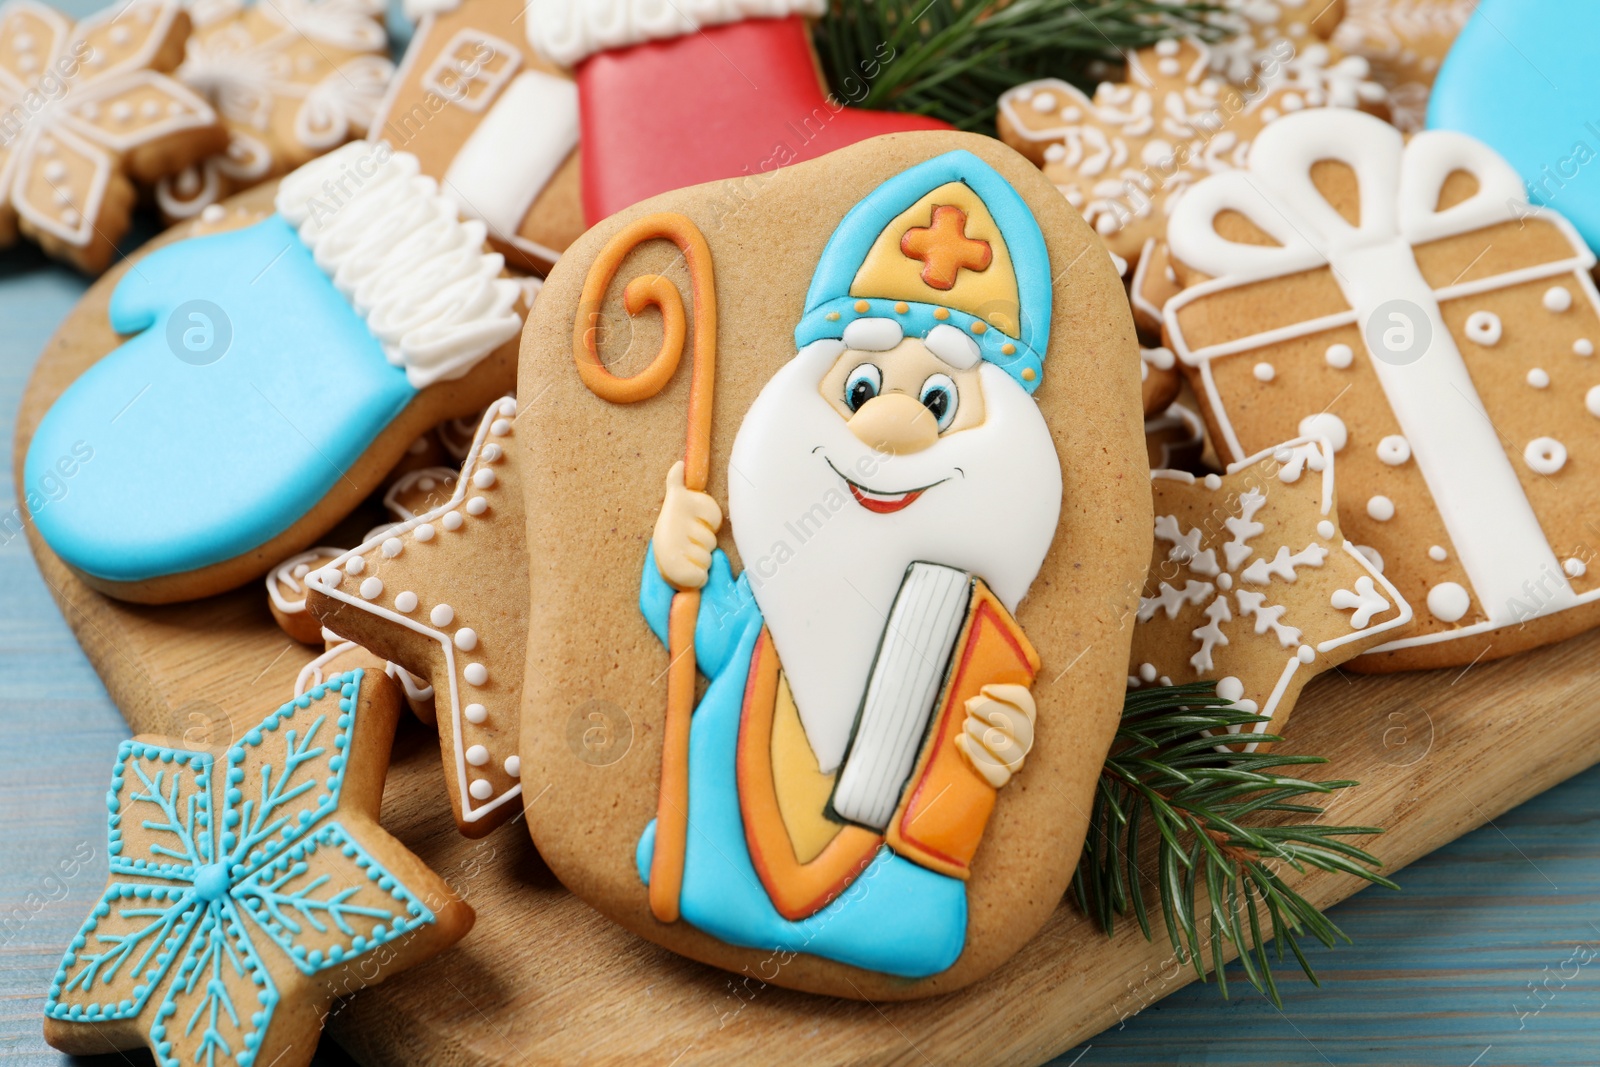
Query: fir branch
[(952, 59), (1225, 824)]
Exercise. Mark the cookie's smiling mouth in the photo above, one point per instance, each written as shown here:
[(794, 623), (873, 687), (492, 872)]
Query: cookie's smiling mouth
[(881, 502)]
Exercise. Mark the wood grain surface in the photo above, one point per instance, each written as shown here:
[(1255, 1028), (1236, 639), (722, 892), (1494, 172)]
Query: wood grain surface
[(542, 979)]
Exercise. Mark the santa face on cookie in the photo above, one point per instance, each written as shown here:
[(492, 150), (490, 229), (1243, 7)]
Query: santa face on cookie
[(893, 491)]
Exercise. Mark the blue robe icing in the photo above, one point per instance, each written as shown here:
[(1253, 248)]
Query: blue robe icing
[(896, 918), (196, 460)]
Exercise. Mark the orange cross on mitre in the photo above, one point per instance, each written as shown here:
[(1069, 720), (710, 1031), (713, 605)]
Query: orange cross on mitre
[(944, 247)]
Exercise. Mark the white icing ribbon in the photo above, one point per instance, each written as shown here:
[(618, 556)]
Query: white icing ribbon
[(1480, 499), (393, 244), (566, 32)]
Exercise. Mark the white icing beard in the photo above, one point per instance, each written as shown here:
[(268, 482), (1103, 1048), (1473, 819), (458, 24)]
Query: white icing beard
[(825, 570)]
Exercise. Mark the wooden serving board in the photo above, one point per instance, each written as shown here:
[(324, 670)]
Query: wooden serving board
[(542, 979)]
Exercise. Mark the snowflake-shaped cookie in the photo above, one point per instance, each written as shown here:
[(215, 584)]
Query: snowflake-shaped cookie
[(1404, 41), (1283, 44), (443, 594), (1123, 156), (248, 890), (84, 111), (291, 79), (1252, 585)]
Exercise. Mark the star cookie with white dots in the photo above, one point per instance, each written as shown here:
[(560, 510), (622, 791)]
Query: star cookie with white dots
[(444, 595)]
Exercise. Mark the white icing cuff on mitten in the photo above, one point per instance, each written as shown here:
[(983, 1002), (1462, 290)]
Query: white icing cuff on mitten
[(567, 32), (394, 246)]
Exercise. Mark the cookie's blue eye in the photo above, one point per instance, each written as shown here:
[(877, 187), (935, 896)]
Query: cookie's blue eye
[(939, 397), (864, 383)]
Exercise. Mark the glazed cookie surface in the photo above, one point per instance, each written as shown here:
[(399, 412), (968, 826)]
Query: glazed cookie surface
[(400, 320)]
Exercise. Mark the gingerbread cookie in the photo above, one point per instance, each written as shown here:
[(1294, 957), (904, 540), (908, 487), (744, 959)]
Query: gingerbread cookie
[(494, 122), (1404, 41), (399, 318), (909, 678), (240, 906), (1535, 112), (444, 595), (89, 111), (1252, 585), (291, 80), (1404, 301)]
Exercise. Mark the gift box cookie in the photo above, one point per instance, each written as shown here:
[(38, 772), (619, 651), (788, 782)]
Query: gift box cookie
[(1405, 302)]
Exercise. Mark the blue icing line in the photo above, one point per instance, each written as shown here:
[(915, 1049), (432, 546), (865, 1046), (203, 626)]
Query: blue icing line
[(176, 465), (1522, 78)]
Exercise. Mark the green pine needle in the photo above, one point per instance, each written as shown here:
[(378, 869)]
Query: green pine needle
[(952, 59), (1225, 829)]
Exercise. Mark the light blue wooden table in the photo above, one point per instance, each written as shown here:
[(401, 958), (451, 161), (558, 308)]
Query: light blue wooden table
[(1490, 955)]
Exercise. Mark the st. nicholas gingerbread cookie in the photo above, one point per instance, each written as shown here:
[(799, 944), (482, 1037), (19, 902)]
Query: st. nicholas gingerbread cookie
[(1405, 302), (867, 710), (248, 889), (273, 372)]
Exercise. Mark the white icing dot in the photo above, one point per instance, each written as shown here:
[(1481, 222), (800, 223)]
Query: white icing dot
[(1169, 67), (1557, 298), (1438, 554), (1230, 688), (500, 427), (1325, 424), (442, 615), (1370, 554), (426, 484), (355, 565), (484, 478), (1538, 377), (1339, 357), (151, 109), (1380, 508), (420, 445), (1394, 450), (392, 547), (1213, 481), (1583, 347), (1448, 601), (424, 532), (492, 453), (476, 674), (514, 766), (1575, 567), (1545, 455), (55, 171), (508, 407), (477, 755), (406, 602), (481, 789), (372, 588), (1306, 654), (1225, 582), (477, 506), (1484, 328), (1325, 529), (1591, 400), (330, 576), (1043, 102), (466, 639), (476, 713), (122, 112), (1147, 672), (1265, 372), (213, 213), (451, 521)]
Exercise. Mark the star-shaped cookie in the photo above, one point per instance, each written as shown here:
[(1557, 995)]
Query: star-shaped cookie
[(87, 109), (249, 889), (444, 595), (1253, 586)]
